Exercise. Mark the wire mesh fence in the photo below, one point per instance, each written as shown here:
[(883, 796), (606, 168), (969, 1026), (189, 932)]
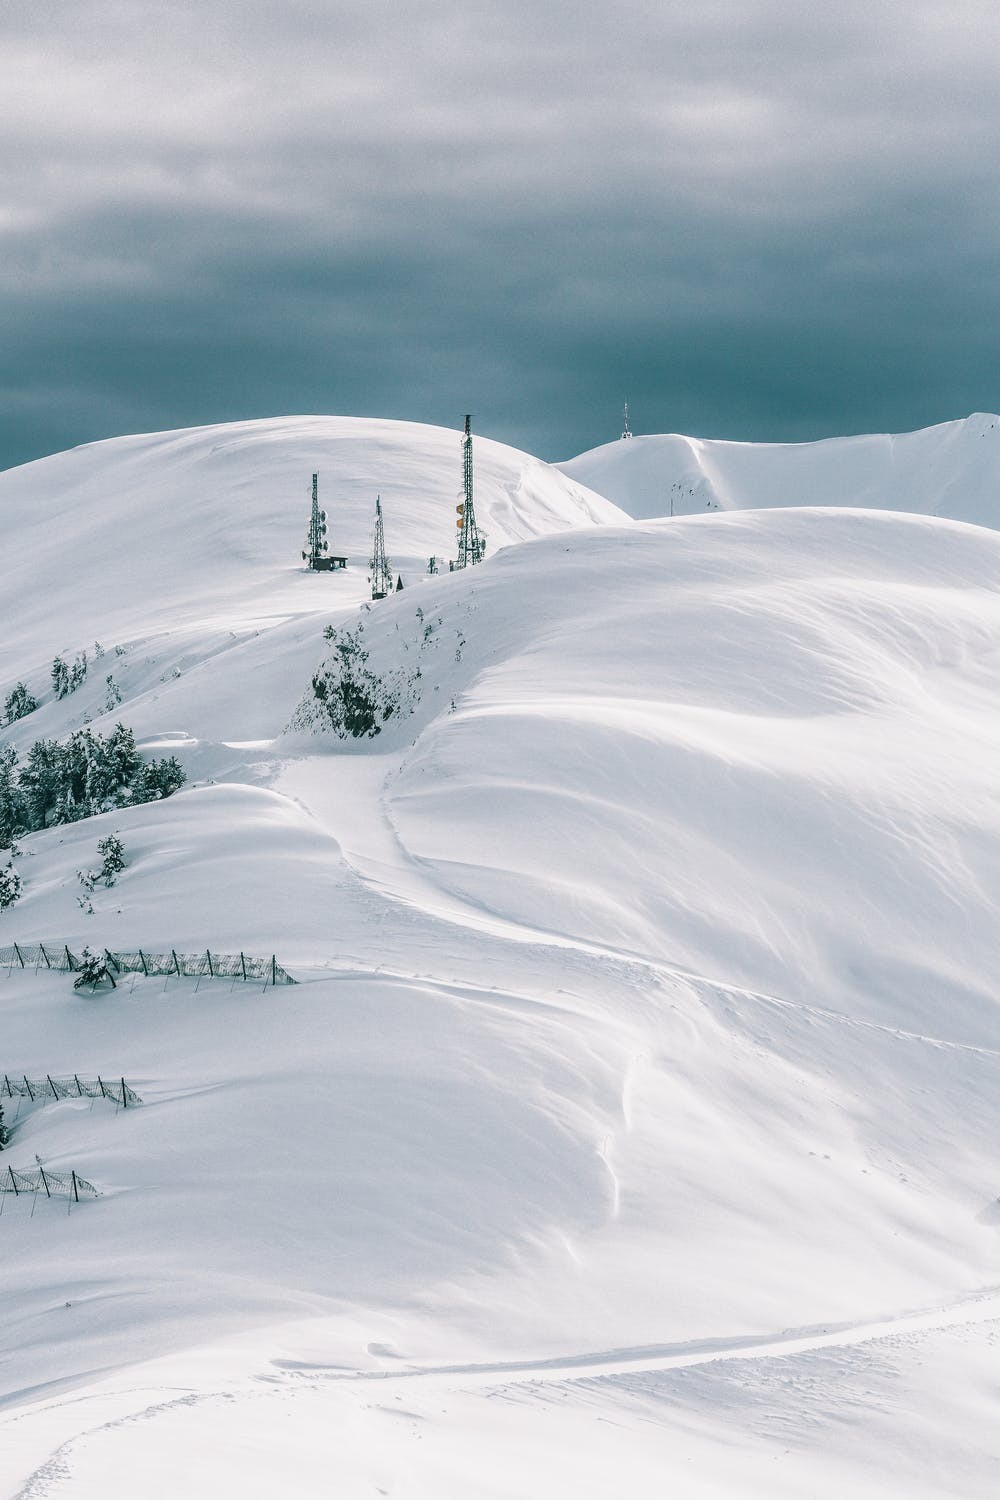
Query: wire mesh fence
[(206, 965), (119, 1092), (41, 1179)]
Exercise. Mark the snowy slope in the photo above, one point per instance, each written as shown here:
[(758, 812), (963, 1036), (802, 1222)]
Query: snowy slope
[(634, 1120), (950, 470), (180, 554)]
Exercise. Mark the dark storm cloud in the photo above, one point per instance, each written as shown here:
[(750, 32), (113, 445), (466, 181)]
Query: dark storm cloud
[(753, 220)]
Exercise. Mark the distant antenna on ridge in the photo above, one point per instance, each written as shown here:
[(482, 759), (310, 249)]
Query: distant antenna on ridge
[(381, 573), (628, 431), (471, 541)]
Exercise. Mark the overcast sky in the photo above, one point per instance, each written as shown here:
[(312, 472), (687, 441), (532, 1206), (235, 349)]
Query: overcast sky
[(755, 219)]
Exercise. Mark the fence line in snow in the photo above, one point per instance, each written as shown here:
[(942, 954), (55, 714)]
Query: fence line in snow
[(205, 965), (48, 1087), (41, 1180)]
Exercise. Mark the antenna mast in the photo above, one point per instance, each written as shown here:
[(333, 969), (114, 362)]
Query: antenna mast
[(628, 431), (316, 536), (471, 541), (381, 573)]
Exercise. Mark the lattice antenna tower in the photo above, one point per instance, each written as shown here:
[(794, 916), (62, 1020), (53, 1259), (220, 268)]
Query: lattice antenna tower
[(381, 573), (628, 431), (471, 541), (316, 543)]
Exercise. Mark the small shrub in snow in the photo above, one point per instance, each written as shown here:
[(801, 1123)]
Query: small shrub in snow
[(88, 879)]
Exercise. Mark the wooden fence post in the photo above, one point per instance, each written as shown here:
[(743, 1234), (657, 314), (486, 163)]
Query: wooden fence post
[(19, 957)]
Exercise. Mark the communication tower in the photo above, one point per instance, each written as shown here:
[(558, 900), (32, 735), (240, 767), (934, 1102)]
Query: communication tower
[(316, 544), (381, 573), (471, 541), (628, 431), (314, 556)]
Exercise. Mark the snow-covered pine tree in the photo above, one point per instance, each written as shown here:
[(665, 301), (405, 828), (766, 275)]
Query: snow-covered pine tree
[(93, 971), (10, 886), (60, 677), (112, 852), (78, 672), (10, 820), (18, 704)]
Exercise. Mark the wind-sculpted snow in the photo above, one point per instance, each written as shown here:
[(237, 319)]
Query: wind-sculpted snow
[(760, 747), (949, 470), (634, 1119)]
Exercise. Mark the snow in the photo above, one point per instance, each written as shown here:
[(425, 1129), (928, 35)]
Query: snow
[(633, 1123), (948, 470)]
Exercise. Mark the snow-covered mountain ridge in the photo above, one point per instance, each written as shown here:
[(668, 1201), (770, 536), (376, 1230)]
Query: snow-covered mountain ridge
[(634, 1117), (179, 553), (950, 470)]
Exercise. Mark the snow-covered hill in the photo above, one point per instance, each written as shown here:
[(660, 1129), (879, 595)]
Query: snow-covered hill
[(634, 1121), (950, 470), (179, 553)]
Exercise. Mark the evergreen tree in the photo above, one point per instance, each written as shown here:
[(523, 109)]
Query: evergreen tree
[(60, 677), (10, 886), (122, 758), (41, 782), (18, 704), (161, 778), (93, 971), (10, 820), (86, 775), (112, 852), (78, 673)]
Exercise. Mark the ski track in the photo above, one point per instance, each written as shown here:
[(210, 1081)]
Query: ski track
[(980, 1308)]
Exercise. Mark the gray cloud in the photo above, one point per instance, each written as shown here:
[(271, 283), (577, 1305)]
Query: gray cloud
[(755, 221)]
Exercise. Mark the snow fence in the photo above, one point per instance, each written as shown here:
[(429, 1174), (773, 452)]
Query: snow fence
[(119, 1092), (207, 965), (41, 1180)]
